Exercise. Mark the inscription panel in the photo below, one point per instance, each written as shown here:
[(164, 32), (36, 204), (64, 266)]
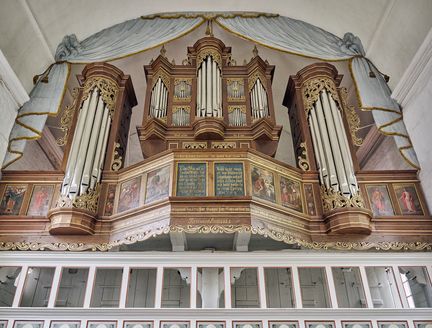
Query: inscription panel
[(229, 181), (191, 180)]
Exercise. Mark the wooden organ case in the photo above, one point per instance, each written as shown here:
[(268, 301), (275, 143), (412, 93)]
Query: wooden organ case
[(208, 102), (319, 120)]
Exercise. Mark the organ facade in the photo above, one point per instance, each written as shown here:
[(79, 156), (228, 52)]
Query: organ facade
[(210, 230)]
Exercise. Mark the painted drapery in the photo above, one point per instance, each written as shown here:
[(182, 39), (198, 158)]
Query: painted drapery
[(277, 32)]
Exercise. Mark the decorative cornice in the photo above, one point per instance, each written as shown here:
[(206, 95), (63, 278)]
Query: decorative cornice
[(278, 235)]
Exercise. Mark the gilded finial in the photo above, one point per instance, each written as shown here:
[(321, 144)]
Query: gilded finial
[(163, 51), (209, 29), (255, 51)]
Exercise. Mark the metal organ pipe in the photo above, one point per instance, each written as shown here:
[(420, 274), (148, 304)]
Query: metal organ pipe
[(75, 145), (334, 144), (100, 149), (209, 89), (331, 146), (78, 169), (91, 150), (343, 142), (259, 101)]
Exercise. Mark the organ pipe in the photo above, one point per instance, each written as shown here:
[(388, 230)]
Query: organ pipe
[(159, 100), (209, 89), (331, 146), (259, 101), (87, 154)]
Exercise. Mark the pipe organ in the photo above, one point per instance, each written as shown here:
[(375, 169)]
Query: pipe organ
[(208, 100), (317, 107), (100, 133)]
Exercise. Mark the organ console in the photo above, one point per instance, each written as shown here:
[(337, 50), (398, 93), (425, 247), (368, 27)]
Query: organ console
[(208, 102)]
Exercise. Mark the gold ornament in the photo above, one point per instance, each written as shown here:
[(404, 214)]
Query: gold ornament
[(332, 200), (67, 118), (108, 91), (204, 53), (352, 118), (303, 160), (117, 160), (312, 89)]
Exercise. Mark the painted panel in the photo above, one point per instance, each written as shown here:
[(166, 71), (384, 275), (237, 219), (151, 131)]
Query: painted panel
[(129, 194), (191, 179), (109, 203), (291, 193), (12, 199), (229, 179), (310, 200), (40, 200), (408, 199), (211, 324), (379, 200), (263, 184), (174, 324), (158, 184)]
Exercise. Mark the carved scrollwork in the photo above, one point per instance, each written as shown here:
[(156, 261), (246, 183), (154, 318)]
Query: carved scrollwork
[(303, 160), (67, 118), (352, 118), (117, 160), (203, 54), (332, 200), (255, 76), (108, 91), (88, 201), (163, 75), (312, 89)]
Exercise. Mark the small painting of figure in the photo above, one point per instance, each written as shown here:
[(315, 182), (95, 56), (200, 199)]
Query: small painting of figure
[(158, 184), (408, 199), (129, 194), (263, 184), (380, 200), (12, 200), (40, 200), (109, 204), (291, 193)]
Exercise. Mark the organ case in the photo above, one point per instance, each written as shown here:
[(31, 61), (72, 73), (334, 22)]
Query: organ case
[(208, 102)]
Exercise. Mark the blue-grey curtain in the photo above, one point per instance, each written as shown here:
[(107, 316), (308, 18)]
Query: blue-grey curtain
[(298, 37), (279, 32), (120, 40)]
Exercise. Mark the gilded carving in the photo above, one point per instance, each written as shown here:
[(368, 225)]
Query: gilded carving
[(182, 89), (67, 118), (352, 118), (223, 145), (312, 89), (334, 199), (254, 77), (194, 145), (163, 75), (88, 201), (108, 91), (235, 89), (117, 160), (303, 160), (203, 54)]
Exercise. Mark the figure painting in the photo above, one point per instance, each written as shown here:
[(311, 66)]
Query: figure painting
[(263, 184), (408, 199), (40, 200), (310, 202), (158, 184), (129, 194), (379, 200), (109, 204), (291, 194), (12, 199)]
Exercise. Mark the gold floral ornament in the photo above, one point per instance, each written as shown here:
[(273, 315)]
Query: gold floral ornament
[(108, 91), (312, 89), (352, 118), (332, 200), (67, 119), (254, 77), (163, 75), (203, 54), (88, 201), (303, 160), (117, 160)]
